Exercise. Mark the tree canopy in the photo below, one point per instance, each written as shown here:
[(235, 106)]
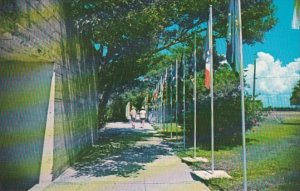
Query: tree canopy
[(295, 98), (131, 31), (132, 35)]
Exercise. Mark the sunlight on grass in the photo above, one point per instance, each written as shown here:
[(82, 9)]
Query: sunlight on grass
[(272, 157), (169, 127)]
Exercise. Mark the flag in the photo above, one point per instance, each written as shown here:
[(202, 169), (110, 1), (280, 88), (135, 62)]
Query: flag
[(296, 15), (155, 94), (161, 87), (207, 54), (234, 56), (165, 85), (207, 57), (233, 36)]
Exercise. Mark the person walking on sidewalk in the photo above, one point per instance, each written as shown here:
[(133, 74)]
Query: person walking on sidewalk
[(133, 116), (143, 116)]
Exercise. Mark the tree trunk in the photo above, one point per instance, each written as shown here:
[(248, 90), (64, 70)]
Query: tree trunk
[(103, 100)]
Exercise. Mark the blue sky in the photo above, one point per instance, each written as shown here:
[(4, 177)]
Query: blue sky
[(277, 71), (282, 42)]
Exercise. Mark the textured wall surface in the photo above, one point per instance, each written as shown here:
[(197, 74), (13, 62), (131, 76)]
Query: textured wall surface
[(37, 39), (24, 101)]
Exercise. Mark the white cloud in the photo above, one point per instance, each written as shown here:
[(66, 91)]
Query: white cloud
[(272, 76)]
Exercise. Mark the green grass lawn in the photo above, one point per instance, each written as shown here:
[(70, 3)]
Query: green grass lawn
[(273, 158), (167, 128)]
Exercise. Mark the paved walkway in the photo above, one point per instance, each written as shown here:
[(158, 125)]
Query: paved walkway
[(140, 161)]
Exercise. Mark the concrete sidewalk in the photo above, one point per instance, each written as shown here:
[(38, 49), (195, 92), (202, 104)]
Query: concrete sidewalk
[(148, 164)]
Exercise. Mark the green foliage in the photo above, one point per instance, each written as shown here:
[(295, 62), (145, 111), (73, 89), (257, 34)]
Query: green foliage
[(227, 109), (116, 110), (254, 112), (132, 33), (295, 98), (9, 15)]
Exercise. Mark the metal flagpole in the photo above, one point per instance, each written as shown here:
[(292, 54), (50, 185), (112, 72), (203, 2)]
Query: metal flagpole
[(171, 102), (156, 104), (184, 138), (169, 110), (167, 105), (147, 105), (195, 103), (211, 88), (176, 112), (161, 101), (242, 93), (165, 100), (254, 78)]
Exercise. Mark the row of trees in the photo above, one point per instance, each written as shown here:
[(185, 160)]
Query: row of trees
[(131, 36)]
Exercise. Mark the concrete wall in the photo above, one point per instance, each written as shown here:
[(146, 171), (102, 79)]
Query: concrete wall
[(40, 42)]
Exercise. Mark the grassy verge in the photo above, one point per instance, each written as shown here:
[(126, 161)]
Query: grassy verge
[(273, 156), (167, 128)]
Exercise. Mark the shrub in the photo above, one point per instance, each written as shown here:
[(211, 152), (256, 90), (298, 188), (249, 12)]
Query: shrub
[(227, 111)]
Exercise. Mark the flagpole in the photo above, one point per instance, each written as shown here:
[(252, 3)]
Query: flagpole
[(195, 103), (165, 100), (242, 95), (147, 105), (171, 102), (156, 105), (176, 112), (167, 105), (169, 114), (184, 138), (211, 89), (253, 87), (161, 101)]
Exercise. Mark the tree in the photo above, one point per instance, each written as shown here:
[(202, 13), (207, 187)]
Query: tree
[(129, 32), (295, 98)]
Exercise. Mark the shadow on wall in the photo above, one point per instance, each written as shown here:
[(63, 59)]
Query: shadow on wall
[(26, 68), (24, 97), (121, 152)]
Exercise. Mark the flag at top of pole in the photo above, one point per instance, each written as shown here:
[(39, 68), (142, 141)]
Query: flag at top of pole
[(155, 94), (207, 56), (234, 57), (296, 15), (233, 39), (209, 77), (165, 84), (209, 64)]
